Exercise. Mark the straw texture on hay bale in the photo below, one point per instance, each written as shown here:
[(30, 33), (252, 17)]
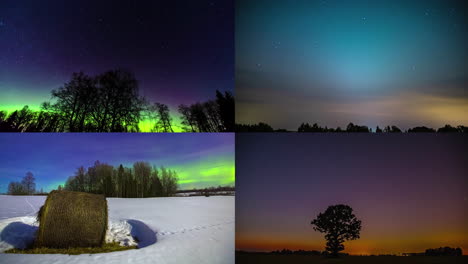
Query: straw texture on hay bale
[(72, 219)]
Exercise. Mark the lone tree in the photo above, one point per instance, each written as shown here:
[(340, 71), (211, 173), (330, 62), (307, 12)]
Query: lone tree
[(28, 183), (339, 224)]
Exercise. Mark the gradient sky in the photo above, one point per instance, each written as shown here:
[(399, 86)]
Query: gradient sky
[(200, 160), (410, 191), (369, 62), (180, 51)]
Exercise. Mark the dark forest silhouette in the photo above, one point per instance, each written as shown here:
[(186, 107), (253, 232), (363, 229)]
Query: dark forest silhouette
[(209, 191), (306, 127), (441, 251), (110, 102), (27, 186), (140, 181)]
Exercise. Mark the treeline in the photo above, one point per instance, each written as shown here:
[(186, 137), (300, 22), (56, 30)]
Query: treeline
[(444, 251), (140, 181), (301, 252), (211, 116), (209, 191), (306, 127), (293, 252), (26, 186), (110, 102)]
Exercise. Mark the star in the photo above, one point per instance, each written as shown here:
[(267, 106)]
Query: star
[(2, 23), (277, 44)]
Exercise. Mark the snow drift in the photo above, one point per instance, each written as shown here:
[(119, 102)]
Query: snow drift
[(166, 230)]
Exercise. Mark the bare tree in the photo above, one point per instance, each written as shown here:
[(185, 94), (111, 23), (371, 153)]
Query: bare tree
[(28, 183)]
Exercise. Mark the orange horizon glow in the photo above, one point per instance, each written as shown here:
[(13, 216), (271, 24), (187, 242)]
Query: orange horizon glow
[(361, 246), (373, 240), (356, 250), (410, 192)]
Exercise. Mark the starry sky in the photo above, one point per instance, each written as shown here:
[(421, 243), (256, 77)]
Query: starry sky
[(200, 160), (410, 191), (394, 62), (180, 51)]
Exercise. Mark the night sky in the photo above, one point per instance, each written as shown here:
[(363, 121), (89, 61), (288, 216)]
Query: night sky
[(200, 160), (180, 51), (410, 191), (394, 62)]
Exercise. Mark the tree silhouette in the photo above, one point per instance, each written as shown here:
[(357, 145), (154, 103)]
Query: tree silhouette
[(120, 105), (140, 181), (351, 128), (210, 116), (421, 129), (339, 224), (110, 102), (357, 128), (28, 183), (260, 127), (443, 251), (448, 129), (164, 120), (27, 186), (226, 110)]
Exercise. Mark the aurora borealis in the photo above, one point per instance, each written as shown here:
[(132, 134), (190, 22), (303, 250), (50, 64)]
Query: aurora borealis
[(200, 160), (410, 191), (181, 52), (389, 62)]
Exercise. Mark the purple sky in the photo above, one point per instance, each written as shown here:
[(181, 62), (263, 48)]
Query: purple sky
[(180, 51), (411, 191)]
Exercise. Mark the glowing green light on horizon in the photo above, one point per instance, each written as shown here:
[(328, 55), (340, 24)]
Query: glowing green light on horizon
[(206, 173), (144, 125), (13, 107), (209, 172), (147, 125)]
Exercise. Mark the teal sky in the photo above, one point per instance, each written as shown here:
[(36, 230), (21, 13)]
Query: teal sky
[(368, 62)]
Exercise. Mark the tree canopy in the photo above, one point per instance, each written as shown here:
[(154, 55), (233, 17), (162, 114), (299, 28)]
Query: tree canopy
[(110, 102), (140, 181), (339, 224), (27, 186)]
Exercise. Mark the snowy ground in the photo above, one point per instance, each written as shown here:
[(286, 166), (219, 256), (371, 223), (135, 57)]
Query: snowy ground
[(169, 230)]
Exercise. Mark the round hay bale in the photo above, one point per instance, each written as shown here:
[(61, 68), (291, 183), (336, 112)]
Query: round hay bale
[(72, 219)]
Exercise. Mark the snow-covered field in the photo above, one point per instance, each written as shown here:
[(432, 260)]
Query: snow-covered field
[(169, 230)]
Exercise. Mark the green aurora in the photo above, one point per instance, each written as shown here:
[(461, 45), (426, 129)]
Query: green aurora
[(200, 159)]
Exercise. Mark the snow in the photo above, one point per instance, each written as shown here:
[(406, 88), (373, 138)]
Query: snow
[(121, 231), (168, 230)]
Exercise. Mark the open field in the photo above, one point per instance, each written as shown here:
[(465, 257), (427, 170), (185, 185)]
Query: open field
[(297, 259), (168, 230)]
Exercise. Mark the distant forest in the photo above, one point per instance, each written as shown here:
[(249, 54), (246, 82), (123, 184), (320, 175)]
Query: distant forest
[(110, 102), (210, 191), (306, 127), (442, 251), (140, 181)]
